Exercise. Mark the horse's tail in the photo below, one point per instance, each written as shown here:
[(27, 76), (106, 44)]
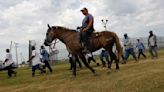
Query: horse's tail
[(118, 47)]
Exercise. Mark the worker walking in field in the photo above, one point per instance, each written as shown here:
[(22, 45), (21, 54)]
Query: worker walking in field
[(45, 58), (89, 57), (8, 64), (104, 54), (36, 62), (129, 49), (140, 46), (152, 44)]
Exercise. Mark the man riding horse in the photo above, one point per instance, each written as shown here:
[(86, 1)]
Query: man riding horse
[(87, 29), (106, 40)]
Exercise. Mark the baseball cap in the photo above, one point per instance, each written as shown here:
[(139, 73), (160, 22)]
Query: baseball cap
[(150, 31), (84, 9), (125, 34)]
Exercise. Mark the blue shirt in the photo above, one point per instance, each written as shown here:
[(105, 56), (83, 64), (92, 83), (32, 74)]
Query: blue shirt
[(45, 55), (86, 21), (140, 45), (104, 54)]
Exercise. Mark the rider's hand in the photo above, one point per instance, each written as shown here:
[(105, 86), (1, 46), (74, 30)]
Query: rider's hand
[(84, 30)]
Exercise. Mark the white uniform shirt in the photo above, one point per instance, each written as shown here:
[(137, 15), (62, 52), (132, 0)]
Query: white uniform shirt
[(36, 60), (128, 44), (10, 60), (152, 40), (89, 54)]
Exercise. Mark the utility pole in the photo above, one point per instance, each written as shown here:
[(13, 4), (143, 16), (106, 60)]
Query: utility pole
[(11, 46), (104, 21), (21, 57), (30, 52), (16, 52)]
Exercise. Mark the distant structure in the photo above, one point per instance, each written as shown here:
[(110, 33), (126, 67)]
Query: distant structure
[(53, 52), (104, 21)]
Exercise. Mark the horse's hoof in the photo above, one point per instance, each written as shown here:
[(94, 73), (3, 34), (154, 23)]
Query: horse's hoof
[(98, 64), (109, 68), (108, 71), (73, 76), (117, 69), (95, 74)]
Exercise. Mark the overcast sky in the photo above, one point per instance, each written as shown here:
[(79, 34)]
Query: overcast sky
[(24, 20)]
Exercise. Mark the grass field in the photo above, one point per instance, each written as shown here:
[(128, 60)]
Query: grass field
[(145, 76)]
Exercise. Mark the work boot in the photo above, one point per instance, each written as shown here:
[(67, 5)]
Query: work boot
[(33, 74), (15, 74)]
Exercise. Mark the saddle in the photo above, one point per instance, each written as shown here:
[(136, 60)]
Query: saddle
[(92, 35), (95, 35)]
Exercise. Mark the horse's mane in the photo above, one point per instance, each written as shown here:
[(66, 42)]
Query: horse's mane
[(64, 28)]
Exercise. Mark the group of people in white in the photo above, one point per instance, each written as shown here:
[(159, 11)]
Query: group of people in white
[(36, 62), (129, 47)]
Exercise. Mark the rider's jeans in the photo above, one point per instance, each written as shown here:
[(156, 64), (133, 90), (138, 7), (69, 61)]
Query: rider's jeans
[(85, 39)]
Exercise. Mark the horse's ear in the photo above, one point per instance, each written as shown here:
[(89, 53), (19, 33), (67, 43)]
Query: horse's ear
[(48, 26)]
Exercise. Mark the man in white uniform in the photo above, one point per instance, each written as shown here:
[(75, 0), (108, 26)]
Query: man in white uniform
[(152, 44), (128, 48), (8, 63), (89, 57), (36, 62)]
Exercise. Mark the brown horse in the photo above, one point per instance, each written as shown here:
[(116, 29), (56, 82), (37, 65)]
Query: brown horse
[(71, 39)]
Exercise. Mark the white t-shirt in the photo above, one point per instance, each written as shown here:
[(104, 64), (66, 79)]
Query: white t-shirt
[(36, 60), (10, 60), (152, 40), (88, 55), (128, 44)]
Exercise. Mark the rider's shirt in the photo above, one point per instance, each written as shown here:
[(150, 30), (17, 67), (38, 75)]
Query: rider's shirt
[(86, 21)]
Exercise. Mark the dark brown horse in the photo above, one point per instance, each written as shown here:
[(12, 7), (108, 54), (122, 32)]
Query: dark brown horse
[(71, 39)]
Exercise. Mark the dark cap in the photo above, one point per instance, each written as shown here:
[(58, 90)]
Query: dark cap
[(84, 9), (7, 50), (33, 47), (150, 31), (125, 34), (42, 47)]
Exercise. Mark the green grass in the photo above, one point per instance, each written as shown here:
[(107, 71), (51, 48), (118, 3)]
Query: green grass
[(145, 76)]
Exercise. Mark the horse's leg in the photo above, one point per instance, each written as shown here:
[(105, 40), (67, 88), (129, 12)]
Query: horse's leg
[(109, 49), (116, 61), (78, 61), (85, 62), (74, 65), (113, 57), (111, 60)]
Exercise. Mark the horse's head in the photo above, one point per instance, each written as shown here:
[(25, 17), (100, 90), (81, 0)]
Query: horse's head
[(50, 36)]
